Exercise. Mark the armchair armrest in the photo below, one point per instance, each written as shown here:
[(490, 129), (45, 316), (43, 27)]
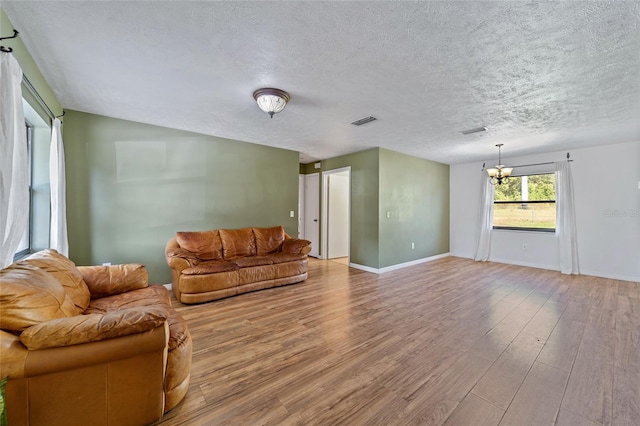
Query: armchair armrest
[(296, 246), (92, 328), (114, 279)]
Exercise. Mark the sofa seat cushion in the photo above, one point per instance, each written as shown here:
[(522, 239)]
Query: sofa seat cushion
[(205, 245), (211, 267), (238, 243), (269, 240), (286, 257), (246, 262)]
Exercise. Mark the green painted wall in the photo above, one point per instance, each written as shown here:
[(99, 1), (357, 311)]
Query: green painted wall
[(131, 186), (364, 203), (415, 192)]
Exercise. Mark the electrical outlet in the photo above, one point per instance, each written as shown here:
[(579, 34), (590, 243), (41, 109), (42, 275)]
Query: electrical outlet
[(388, 215), (524, 246), (413, 246), (106, 264)]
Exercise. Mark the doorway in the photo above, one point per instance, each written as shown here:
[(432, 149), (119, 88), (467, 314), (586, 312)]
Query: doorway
[(336, 213)]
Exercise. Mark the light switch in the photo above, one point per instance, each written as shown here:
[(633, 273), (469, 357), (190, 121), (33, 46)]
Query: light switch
[(292, 214)]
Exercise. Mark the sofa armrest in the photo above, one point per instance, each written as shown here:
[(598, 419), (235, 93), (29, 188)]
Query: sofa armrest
[(114, 279), (179, 259), (92, 328), (296, 246)]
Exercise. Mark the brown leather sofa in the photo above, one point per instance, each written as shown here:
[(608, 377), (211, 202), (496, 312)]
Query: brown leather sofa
[(210, 265), (89, 345)]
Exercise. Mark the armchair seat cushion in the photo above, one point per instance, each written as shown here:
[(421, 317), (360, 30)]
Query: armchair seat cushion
[(154, 295)]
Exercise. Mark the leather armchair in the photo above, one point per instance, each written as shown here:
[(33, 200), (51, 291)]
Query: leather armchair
[(89, 345)]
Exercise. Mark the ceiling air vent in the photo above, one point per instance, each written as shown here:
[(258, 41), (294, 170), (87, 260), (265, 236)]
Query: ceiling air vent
[(364, 120), (475, 130)]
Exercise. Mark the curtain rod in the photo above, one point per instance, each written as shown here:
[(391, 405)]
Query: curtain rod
[(35, 93), (537, 164), (543, 164)]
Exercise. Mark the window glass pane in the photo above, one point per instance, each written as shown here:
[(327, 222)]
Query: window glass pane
[(525, 215), (511, 190), (542, 187)]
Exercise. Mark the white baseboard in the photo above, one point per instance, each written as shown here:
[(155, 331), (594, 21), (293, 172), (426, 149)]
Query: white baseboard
[(582, 271), (527, 264), (612, 276), (399, 265)]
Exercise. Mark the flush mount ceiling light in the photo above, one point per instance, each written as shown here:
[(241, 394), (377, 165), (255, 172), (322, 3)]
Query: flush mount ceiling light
[(500, 173), (271, 100)]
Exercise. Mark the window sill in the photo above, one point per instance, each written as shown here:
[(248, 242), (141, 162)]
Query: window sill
[(21, 255), (535, 230)]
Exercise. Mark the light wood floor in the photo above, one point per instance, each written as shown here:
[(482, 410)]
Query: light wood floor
[(451, 342)]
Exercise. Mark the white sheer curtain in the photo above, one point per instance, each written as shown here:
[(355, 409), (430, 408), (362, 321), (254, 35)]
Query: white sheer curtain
[(566, 220), (485, 224), (14, 177), (58, 233)]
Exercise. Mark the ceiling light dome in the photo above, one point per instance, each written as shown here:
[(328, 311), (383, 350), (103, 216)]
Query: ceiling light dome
[(271, 100)]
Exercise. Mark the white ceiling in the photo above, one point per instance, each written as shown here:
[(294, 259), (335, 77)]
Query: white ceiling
[(541, 76)]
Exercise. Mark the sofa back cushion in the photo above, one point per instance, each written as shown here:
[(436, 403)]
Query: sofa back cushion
[(29, 296), (206, 245), (238, 243), (65, 271), (269, 240)]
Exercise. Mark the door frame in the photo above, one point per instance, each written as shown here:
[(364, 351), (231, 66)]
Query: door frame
[(324, 228), (306, 214)]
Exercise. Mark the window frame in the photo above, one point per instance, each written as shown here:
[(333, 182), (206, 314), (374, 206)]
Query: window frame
[(522, 228), (29, 230)]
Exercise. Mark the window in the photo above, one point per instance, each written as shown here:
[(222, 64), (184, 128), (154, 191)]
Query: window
[(526, 203), (25, 243)]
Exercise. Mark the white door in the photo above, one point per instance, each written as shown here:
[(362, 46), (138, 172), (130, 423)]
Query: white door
[(338, 215), (312, 212), (301, 206)]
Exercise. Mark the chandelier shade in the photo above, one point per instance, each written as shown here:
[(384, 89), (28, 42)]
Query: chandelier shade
[(499, 173), (271, 100)]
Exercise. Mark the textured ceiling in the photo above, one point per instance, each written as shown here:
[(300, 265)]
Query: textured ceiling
[(541, 76)]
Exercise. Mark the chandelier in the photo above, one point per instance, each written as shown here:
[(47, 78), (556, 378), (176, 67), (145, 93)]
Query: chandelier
[(271, 100), (500, 173)]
